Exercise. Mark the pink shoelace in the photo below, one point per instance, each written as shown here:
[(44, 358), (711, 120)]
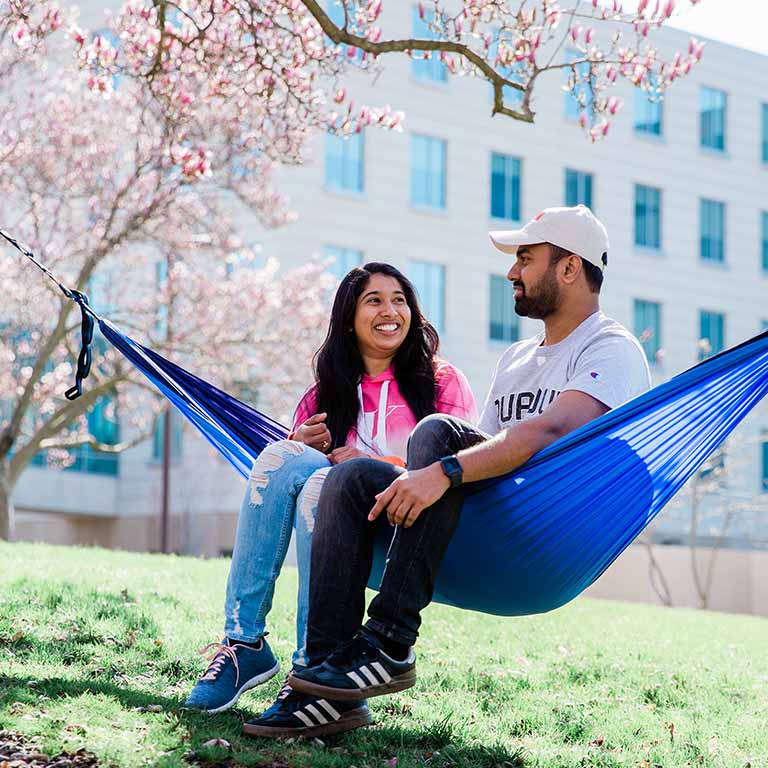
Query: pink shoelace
[(220, 654)]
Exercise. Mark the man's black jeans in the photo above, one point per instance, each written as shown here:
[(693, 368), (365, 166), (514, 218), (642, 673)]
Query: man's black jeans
[(343, 539)]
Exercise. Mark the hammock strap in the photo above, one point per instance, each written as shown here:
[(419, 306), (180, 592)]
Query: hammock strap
[(85, 357), (87, 318)]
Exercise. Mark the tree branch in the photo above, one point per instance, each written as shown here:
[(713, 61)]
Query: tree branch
[(91, 441), (62, 418), (339, 36)]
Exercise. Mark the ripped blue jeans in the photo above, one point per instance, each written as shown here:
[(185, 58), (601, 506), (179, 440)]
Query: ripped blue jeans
[(284, 487)]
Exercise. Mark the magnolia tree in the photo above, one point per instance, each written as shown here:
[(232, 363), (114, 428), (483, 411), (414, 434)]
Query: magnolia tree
[(103, 192), (280, 63)]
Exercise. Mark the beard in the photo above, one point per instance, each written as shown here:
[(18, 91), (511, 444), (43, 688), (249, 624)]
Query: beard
[(540, 302)]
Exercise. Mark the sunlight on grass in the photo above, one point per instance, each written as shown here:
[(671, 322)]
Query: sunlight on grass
[(98, 649)]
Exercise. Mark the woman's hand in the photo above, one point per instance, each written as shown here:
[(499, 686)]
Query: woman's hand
[(314, 433), (346, 452)]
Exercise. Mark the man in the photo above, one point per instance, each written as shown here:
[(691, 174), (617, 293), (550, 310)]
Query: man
[(582, 365)]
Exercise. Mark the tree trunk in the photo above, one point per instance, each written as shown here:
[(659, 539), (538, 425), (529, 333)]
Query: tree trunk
[(7, 514)]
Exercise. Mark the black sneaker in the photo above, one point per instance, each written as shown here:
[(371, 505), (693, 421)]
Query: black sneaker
[(296, 714), (357, 670)]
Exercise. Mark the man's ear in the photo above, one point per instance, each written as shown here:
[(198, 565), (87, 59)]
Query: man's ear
[(572, 268)]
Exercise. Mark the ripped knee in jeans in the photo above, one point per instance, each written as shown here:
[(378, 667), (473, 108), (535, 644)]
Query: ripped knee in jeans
[(270, 460), (310, 495)]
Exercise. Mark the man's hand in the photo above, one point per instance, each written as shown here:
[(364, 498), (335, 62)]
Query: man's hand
[(314, 433), (410, 494), (346, 452)]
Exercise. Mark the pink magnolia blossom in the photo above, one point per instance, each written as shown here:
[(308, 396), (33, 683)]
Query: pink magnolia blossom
[(291, 87), (25, 27)]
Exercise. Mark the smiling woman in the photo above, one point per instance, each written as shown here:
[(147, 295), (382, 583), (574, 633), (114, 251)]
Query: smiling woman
[(382, 321), (377, 375)]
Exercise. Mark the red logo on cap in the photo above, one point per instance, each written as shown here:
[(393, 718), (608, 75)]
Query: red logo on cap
[(539, 216)]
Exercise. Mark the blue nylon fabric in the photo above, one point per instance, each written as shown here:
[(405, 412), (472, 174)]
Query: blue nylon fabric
[(236, 430), (532, 540)]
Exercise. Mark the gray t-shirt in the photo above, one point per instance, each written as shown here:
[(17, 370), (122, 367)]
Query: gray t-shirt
[(599, 357)]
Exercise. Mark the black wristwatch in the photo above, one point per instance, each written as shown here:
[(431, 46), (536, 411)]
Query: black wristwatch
[(452, 470)]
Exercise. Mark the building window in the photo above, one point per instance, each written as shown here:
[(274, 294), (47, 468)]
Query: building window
[(765, 464), (647, 112), (177, 420), (712, 229), (765, 133), (345, 259), (429, 280), (711, 333), (433, 68), (581, 98), (504, 324), (764, 239), (517, 72), (344, 162), (428, 171), (103, 424), (578, 188), (648, 327), (647, 216), (505, 187), (712, 106)]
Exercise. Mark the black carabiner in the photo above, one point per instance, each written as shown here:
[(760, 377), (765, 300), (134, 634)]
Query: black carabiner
[(86, 335)]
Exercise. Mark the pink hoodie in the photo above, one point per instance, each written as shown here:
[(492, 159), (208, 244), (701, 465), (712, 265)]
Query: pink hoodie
[(454, 397)]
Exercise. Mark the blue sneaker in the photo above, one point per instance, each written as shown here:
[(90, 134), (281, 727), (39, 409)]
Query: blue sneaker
[(356, 670), (296, 714), (234, 669)]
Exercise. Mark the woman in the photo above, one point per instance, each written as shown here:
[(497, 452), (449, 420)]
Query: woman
[(376, 376)]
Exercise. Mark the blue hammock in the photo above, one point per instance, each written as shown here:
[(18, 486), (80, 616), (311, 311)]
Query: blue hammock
[(532, 540)]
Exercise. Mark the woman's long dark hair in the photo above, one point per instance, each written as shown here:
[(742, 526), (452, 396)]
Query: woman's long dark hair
[(338, 364)]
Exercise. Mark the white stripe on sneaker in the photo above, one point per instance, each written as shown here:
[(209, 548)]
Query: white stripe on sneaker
[(304, 719), (372, 679), (379, 667), (329, 709), (356, 679), (321, 718)]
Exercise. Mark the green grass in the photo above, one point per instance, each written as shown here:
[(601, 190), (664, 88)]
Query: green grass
[(89, 639)]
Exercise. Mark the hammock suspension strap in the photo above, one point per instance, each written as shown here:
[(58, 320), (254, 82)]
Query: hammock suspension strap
[(87, 319), (85, 357)]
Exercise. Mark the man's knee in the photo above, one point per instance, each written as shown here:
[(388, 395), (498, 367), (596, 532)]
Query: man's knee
[(356, 477), (431, 439)]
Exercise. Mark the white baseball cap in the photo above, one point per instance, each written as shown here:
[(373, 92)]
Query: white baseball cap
[(576, 229)]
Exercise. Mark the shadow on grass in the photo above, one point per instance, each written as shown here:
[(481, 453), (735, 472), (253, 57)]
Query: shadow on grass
[(435, 745)]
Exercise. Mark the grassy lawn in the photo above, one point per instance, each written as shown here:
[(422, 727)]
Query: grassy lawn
[(98, 649)]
